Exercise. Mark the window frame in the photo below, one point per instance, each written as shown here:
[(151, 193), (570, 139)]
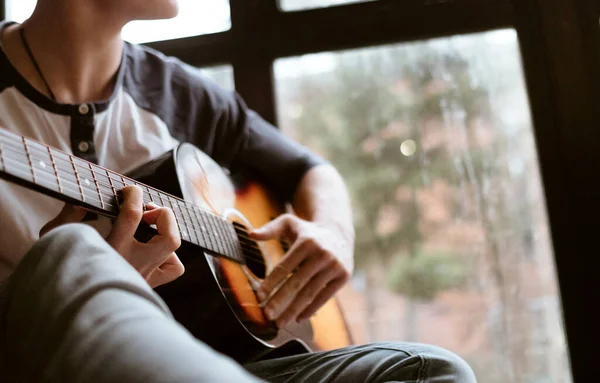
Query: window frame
[(559, 43)]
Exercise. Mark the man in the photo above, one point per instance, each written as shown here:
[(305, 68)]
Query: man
[(79, 306)]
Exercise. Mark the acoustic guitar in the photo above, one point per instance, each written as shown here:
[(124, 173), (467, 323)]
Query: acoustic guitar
[(215, 298)]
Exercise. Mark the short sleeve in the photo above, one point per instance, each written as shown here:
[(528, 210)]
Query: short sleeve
[(217, 121)]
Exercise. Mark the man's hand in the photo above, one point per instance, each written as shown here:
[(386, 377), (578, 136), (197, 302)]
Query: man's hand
[(318, 263), (154, 260)]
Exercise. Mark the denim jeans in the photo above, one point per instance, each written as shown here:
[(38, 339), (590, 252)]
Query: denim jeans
[(376, 362), (75, 311)]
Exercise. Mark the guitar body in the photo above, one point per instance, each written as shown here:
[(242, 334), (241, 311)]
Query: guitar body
[(215, 298)]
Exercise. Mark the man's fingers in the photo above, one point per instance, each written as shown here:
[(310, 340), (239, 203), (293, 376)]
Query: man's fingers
[(130, 215), (286, 295), (284, 226), (170, 270), (307, 295), (168, 237), (322, 298), (299, 251), (68, 214)]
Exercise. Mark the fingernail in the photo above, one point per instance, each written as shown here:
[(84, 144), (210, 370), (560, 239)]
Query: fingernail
[(261, 295)]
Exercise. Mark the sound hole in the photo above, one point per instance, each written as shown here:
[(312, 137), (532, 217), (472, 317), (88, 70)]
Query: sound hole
[(252, 253)]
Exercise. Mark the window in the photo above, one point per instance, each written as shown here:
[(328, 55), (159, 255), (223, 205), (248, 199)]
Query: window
[(435, 142), (296, 5), (196, 17)]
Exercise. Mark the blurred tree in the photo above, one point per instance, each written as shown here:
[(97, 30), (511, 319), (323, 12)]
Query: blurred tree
[(395, 122)]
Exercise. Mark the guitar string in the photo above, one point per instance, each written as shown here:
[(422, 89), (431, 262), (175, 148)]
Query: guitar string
[(85, 169), (50, 173), (251, 251), (19, 142), (36, 173), (49, 177), (91, 169), (249, 247), (96, 190)]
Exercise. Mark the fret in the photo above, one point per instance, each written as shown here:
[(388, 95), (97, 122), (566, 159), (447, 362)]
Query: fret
[(15, 161), (182, 231), (103, 181), (200, 225), (128, 182), (162, 202), (214, 227), (24, 165), (224, 239), (185, 230), (68, 180), (112, 186), (206, 232), (29, 159), (102, 205), (195, 224), (191, 227), (209, 231), (149, 194), (60, 188), (77, 178), (157, 198), (183, 226), (85, 176), (116, 181), (40, 163), (122, 180)]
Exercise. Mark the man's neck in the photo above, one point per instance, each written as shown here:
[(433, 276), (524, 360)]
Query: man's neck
[(77, 50)]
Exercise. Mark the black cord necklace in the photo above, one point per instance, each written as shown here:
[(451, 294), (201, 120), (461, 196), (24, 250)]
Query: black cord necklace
[(34, 62)]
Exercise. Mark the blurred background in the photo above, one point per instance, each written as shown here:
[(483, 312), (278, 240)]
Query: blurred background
[(429, 119)]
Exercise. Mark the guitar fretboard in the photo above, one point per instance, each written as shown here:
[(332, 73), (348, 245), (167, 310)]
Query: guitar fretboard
[(72, 179)]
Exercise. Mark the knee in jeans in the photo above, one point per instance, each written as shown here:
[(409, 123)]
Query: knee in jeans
[(446, 366)]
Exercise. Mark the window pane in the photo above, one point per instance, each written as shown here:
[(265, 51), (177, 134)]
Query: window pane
[(196, 17), (435, 142), (296, 5), (222, 75)]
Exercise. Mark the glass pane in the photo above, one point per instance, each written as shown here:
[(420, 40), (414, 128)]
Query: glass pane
[(196, 17), (435, 142), (222, 75), (296, 5)]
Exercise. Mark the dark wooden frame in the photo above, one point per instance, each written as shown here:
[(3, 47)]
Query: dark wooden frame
[(559, 42)]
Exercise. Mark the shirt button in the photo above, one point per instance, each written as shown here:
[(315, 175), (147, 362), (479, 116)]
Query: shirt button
[(83, 146), (84, 109)]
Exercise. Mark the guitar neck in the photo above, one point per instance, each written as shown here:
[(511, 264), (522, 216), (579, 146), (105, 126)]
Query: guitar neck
[(73, 180)]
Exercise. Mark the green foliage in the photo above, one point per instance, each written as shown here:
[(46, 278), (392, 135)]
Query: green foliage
[(359, 115), (425, 275)]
